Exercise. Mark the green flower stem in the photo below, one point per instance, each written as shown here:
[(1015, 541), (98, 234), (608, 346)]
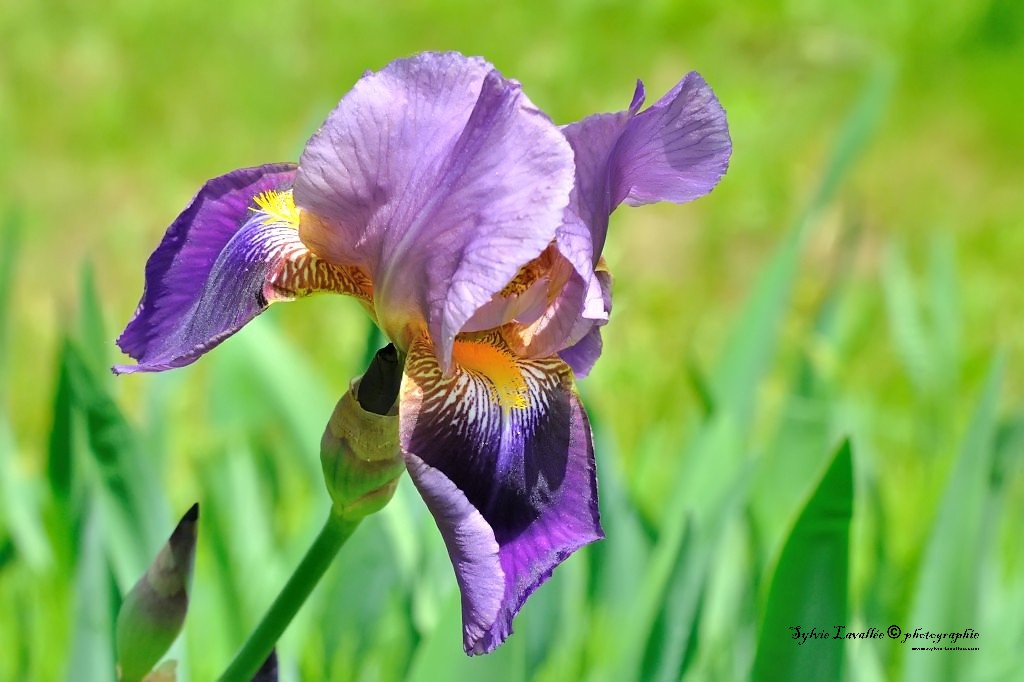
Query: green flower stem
[(308, 573)]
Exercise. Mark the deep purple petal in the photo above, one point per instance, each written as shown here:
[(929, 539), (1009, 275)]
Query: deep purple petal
[(471, 545), (221, 263), (502, 453), (677, 150), (442, 179)]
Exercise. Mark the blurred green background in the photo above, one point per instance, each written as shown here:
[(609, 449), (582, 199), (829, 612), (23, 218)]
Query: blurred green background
[(855, 276)]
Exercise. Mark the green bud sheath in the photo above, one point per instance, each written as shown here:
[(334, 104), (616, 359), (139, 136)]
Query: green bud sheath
[(154, 610), (359, 451)]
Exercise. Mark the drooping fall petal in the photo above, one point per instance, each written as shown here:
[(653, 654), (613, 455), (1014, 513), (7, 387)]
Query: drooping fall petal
[(234, 250), (441, 179), (501, 451)]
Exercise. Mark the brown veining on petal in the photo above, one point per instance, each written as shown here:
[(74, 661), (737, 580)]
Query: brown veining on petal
[(550, 264), (530, 273), (301, 273)]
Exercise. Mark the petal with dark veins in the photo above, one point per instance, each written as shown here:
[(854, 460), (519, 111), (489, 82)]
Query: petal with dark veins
[(500, 449)]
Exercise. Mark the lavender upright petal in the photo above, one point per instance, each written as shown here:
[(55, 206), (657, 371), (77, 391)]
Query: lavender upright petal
[(440, 178), (580, 306), (580, 238), (593, 141), (507, 469), (677, 150)]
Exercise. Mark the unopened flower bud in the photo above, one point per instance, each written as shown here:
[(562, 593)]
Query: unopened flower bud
[(154, 610), (359, 451)]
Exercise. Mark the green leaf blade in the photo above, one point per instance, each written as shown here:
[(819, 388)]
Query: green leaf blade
[(809, 589)]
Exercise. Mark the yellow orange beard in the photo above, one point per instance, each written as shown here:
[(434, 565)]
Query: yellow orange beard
[(487, 356), (297, 271), (278, 208)]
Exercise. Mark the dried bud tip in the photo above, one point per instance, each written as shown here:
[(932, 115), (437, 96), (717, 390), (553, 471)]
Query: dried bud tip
[(378, 388), (191, 516)]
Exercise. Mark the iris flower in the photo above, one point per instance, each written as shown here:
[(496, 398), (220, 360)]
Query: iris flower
[(470, 227)]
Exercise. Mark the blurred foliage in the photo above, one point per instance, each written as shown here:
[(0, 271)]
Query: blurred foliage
[(854, 277)]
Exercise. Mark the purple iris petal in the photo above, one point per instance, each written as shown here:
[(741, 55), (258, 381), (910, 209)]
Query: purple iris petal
[(583, 354), (501, 452), (176, 321), (593, 142), (584, 347), (676, 150), (231, 253), (570, 319), (440, 178), (553, 330), (471, 545)]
